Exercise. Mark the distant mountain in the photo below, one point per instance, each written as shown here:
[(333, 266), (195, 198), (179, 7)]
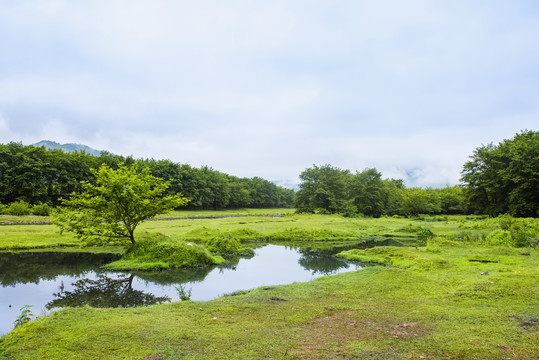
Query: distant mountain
[(68, 147)]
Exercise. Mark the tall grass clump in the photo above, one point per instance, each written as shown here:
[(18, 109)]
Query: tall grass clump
[(157, 251), (223, 244)]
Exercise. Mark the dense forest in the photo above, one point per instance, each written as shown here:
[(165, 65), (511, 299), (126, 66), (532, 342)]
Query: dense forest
[(498, 179), (35, 175)]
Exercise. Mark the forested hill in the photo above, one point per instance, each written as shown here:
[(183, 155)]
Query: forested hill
[(36, 175), (51, 145)]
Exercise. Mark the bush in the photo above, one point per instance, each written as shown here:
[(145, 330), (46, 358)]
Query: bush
[(19, 208), (3, 209), (505, 221), (157, 251), (41, 210), (224, 244), (500, 238)]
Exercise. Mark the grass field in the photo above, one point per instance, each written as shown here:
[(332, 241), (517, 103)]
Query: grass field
[(454, 298)]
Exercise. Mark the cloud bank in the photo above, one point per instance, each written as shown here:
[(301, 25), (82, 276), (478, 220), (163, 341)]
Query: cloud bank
[(270, 88)]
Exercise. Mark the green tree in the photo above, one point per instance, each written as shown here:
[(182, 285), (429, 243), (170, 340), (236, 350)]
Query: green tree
[(417, 201), (505, 177), (367, 192), (110, 210), (323, 188), (392, 195), (452, 200)]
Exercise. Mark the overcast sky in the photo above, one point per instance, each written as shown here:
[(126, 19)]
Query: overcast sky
[(269, 88)]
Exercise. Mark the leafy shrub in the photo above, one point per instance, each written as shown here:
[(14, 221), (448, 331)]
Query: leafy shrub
[(505, 221), (19, 208), (224, 244), (41, 210), (499, 238), (3, 209), (349, 210), (425, 232)]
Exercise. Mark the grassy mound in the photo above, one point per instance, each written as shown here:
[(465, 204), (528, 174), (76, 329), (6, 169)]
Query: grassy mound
[(157, 251), (408, 258)]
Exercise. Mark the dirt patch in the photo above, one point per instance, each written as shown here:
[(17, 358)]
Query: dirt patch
[(526, 323), (330, 334)]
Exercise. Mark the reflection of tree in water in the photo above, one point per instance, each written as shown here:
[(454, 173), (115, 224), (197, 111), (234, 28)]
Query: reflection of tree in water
[(105, 292), (320, 263), (32, 267)]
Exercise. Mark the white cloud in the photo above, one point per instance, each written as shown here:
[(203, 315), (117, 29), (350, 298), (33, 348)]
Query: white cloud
[(270, 88)]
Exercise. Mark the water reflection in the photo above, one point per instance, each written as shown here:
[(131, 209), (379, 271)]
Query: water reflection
[(319, 263), (104, 292), (33, 267), (55, 280)]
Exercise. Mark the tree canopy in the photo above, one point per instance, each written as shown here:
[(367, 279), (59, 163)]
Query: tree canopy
[(112, 209), (328, 189), (36, 175), (504, 178)]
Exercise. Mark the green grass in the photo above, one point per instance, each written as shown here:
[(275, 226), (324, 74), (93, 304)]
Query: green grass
[(308, 227), (397, 312), (33, 236), (232, 212)]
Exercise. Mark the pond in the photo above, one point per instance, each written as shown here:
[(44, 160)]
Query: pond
[(50, 281)]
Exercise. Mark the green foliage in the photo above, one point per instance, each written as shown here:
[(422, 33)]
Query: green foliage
[(157, 251), (499, 237), (111, 210), (504, 178), (19, 208), (25, 316), (367, 192), (322, 188), (328, 190), (37, 175), (41, 210), (224, 244), (417, 201), (183, 293)]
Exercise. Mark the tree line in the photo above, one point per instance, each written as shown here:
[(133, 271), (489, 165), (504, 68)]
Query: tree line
[(498, 179), (328, 189), (35, 175)]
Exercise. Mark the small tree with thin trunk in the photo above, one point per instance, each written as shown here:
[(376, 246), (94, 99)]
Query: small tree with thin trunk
[(109, 211)]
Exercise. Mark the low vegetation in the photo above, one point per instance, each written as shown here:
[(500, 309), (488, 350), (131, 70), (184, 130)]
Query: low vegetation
[(157, 251)]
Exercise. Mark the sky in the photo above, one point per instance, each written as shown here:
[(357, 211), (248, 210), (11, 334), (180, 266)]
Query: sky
[(270, 88)]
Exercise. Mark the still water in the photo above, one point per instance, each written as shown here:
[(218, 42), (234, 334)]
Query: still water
[(50, 281)]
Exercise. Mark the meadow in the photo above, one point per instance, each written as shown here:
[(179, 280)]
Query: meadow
[(459, 290)]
